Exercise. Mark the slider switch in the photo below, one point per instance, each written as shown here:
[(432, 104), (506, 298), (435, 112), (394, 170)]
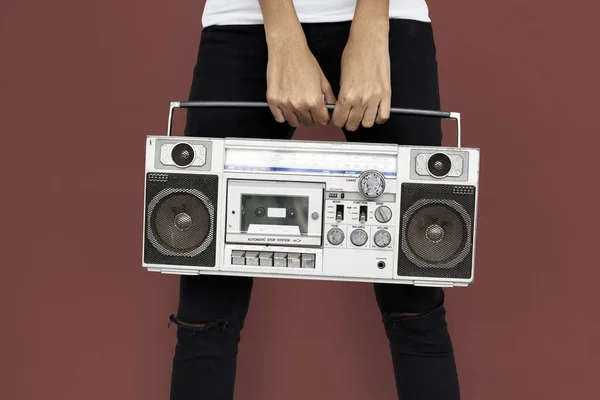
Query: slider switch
[(362, 216), (339, 212)]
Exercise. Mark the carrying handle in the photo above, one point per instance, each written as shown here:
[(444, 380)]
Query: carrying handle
[(251, 104)]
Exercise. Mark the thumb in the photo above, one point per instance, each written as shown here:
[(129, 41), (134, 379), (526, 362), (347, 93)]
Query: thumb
[(327, 92)]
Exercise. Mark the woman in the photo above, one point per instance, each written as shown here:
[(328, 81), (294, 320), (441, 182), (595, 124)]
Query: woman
[(363, 56)]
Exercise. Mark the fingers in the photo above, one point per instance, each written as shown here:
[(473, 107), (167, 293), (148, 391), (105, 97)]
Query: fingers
[(290, 116), (320, 115), (277, 113), (349, 111), (306, 112), (328, 95), (355, 117), (340, 114), (353, 111), (370, 115), (306, 107), (383, 114)]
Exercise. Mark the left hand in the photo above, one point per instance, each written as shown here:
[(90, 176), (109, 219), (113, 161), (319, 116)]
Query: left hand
[(365, 87)]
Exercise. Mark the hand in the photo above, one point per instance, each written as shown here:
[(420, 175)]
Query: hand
[(365, 87), (297, 89)]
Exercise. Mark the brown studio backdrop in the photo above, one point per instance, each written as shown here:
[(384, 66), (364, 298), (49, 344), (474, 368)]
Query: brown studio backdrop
[(82, 83)]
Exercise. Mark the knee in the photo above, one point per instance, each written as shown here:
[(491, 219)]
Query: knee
[(419, 333), (195, 327), (403, 314), (432, 318), (195, 340)]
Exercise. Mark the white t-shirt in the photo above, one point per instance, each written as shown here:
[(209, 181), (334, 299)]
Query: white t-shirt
[(247, 12)]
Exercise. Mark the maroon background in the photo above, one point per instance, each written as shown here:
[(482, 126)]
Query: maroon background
[(83, 82)]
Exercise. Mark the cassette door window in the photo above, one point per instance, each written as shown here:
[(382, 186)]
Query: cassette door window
[(274, 212)]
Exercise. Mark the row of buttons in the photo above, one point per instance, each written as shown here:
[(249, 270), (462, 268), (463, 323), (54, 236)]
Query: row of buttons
[(271, 259)]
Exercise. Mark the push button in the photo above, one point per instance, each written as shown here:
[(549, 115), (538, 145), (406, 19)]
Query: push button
[(265, 259), (308, 260), (280, 260), (237, 257), (252, 258), (293, 261)]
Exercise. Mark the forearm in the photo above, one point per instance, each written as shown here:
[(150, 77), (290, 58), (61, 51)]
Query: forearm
[(281, 23), (371, 17)]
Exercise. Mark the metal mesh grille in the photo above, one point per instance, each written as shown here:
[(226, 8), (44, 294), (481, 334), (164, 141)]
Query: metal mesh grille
[(180, 220), (436, 235)]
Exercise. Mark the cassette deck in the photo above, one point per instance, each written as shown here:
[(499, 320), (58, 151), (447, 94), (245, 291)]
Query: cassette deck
[(311, 210)]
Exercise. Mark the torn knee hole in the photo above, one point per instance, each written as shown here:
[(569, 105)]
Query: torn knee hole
[(198, 326), (403, 314)]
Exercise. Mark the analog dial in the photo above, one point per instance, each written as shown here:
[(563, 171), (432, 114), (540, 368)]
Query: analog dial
[(358, 237), (335, 236), (371, 184), (383, 214), (382, 238)]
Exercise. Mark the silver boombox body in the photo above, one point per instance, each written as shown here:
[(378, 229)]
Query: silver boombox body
[(310, 209)]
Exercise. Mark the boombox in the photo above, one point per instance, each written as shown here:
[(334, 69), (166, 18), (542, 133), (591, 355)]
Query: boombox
[(339, 211)]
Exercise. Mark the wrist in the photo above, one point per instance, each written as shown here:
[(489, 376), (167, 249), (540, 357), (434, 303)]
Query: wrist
[(281, 23), (285, 38), (371, 18)]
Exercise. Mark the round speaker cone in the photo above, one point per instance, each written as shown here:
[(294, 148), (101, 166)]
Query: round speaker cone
[(436, 233), (181, 222), (182, 154), (439, 164)]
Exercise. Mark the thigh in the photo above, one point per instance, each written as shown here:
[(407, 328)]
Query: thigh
[(207, 298), (231, 66), (414, 81), (407, 298)]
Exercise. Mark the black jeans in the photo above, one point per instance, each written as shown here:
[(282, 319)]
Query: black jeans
[(231, 66)]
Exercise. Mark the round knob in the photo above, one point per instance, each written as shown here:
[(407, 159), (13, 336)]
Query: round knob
[(382, 238), (335, 236), (358, 237), (383, 214)]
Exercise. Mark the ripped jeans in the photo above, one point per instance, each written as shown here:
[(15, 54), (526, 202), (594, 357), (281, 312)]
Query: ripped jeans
[(231, 66), (211, 315)]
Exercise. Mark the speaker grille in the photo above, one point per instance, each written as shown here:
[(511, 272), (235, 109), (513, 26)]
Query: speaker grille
[(180, 219), (437, 223)]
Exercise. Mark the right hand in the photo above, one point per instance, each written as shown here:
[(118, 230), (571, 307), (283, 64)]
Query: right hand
[(297, 89)]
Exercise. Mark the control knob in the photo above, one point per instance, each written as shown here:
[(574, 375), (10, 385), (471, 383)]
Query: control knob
[(383, 214), (358, 237), (382, 238), (335, 236)]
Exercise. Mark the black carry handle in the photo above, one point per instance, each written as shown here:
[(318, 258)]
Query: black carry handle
[(258, 104)]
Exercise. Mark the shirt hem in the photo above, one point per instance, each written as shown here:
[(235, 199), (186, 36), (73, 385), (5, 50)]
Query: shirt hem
[(256, 19)]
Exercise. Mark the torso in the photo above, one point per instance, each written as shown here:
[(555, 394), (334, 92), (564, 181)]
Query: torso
[(247, 12)]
